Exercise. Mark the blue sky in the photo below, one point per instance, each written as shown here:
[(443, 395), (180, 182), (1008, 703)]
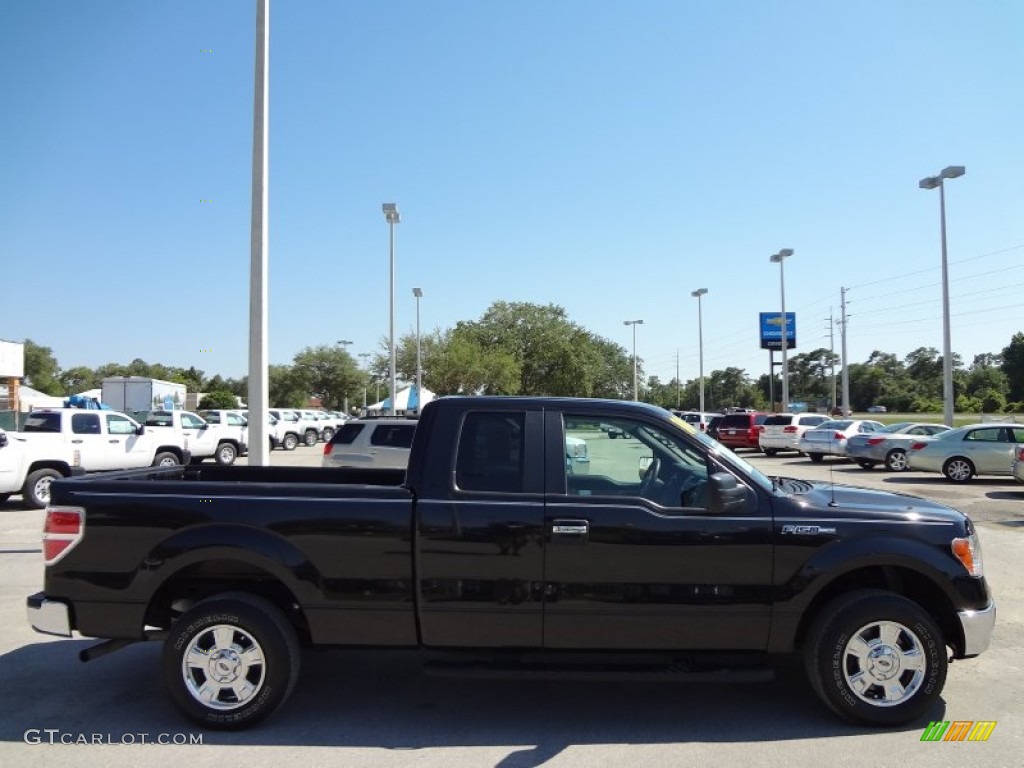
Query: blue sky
[(609, 157)]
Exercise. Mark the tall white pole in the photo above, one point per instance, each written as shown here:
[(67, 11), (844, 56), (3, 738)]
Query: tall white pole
[(847, 407), (419, 354), (634, 323), (947, 344), (636, 391), (259, 384), (785, 338), (391, 333)]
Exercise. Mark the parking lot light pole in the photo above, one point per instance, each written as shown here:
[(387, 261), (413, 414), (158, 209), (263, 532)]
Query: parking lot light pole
[(700, 341), (779, 258), (950, 172), (418, 293), (366, 357), (392, 217), (634, 323)]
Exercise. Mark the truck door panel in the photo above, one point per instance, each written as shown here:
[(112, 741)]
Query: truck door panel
[(641, 572), (480, 555)]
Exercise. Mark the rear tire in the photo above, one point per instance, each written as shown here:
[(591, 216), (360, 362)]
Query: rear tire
[(4, 497), (310, 437), (231, 661), (816, 457), (36, 490), (876, 658), (226, 454), (958, 469), (165, 459), (771, 451), (290, 442), (865, 464), (328, 434)]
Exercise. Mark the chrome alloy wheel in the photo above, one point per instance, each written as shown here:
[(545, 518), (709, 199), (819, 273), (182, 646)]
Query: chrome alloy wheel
[(958, 470), (884, 663), (224, 667)]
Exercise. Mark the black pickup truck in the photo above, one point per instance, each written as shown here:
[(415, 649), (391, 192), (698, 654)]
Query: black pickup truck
[(492, 552)]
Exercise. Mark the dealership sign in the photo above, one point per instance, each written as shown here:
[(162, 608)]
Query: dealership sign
[(771, 330)]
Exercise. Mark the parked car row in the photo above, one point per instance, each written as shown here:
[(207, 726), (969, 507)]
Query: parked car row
[(958, 454)]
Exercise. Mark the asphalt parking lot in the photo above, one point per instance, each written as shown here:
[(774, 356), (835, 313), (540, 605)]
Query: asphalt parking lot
[(362, 708)]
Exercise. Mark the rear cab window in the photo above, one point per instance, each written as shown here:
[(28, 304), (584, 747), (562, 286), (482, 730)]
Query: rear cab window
[(490, 452), (42, 422), (347, 434)]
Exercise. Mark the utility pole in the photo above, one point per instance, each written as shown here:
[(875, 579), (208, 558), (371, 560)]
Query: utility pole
[(832, 353), (678, 392), (846, 367)]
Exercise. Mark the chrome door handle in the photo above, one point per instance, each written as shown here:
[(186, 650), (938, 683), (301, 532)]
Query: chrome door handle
[(570, 531)]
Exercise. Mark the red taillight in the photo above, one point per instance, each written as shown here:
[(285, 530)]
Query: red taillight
[(875, 440), (917, 446), (62, 530), (789, 430)]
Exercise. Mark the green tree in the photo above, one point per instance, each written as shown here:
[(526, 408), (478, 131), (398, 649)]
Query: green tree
[(459, 364), (555, 356), (41, 369), (219, 399), (1013, 367), (286, 389), (329, 373), (78, 379)]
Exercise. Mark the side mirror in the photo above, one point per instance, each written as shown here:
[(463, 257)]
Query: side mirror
[(3, 439), (141, 430), (727, 495)]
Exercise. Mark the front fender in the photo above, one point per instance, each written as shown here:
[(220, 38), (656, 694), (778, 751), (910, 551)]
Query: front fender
[(931, 559)]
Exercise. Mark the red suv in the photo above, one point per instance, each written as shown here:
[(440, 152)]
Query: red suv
[(741, 430)]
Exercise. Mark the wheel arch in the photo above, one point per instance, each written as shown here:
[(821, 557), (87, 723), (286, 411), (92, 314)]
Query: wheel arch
[(898, 579), (230, 559)]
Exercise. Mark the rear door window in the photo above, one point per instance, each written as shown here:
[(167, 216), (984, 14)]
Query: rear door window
[(393, 435), (86, 424)]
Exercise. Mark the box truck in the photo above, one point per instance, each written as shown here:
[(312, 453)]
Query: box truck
[(140, 393)]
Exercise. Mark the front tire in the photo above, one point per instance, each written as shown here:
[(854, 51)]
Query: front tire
[(36, 490), (231, 661), (958, 469), (816, 457), (865, 464), (290, 442), (310, 437), (771, 451), (896, 460), (328, 434), (876, 658)]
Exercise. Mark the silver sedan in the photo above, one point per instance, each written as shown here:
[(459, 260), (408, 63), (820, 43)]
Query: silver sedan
[(829, 437), (889, 446), (960, 454)]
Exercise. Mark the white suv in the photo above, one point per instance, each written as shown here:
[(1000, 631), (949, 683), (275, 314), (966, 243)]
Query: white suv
[(371, 443), (782, 431)]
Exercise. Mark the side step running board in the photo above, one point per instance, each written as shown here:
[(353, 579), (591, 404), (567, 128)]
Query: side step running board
[(668, 673)]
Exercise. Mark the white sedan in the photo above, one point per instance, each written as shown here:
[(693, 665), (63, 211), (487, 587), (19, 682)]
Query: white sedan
[(829, 437)]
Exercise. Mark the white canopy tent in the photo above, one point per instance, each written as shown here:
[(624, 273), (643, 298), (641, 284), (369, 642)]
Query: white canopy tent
[(407, 400)]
